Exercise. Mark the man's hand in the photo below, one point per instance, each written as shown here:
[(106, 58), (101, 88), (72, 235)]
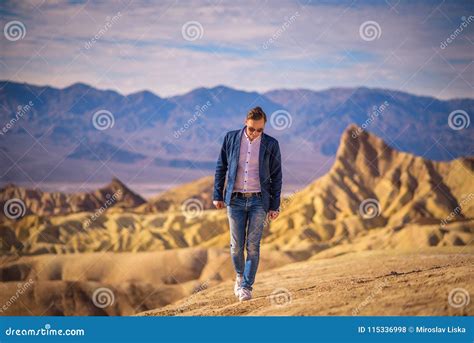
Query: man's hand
[(272, 215), (218, 204)]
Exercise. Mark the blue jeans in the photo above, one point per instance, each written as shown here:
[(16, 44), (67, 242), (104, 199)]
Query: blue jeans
[(247, 219)]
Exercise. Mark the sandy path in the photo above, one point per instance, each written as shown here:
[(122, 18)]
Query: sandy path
[(369, 283)]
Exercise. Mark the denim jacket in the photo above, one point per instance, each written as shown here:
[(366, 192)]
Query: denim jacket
[(269, 169)]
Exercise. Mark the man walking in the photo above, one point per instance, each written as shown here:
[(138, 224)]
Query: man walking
[(252, 161)]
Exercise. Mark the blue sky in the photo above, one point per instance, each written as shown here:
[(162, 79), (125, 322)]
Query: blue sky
[(173, 47)]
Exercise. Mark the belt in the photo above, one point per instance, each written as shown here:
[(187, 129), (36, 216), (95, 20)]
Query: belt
[(247, 195)]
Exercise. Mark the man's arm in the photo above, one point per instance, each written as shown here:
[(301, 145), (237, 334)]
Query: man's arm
[(221, 170), (276, 176)]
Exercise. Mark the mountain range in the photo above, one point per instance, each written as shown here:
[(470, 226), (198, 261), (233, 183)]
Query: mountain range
[(147, 138), (378, 219), (372, 193)]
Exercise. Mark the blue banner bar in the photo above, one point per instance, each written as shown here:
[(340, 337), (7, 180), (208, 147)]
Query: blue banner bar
[(237, 329)]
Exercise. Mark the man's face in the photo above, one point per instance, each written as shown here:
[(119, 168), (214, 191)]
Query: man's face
[(253, 127)]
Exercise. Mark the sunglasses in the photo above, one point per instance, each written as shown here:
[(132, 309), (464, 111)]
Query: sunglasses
[(251, 129)]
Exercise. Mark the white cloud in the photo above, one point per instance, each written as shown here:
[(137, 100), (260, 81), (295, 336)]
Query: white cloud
[(320, 48)]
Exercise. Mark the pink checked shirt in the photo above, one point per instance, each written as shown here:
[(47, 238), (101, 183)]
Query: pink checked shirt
[(247, 179)]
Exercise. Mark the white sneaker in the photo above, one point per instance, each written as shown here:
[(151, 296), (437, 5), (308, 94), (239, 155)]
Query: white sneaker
[(238, 284), (245, 294)]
